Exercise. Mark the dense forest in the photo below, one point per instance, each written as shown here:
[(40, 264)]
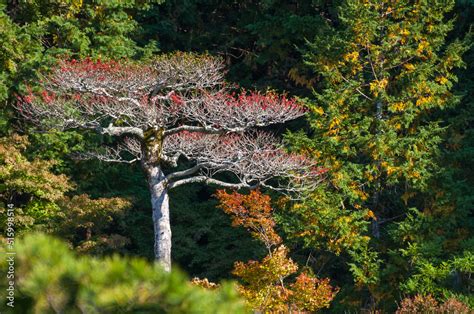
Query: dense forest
[(300, 156)]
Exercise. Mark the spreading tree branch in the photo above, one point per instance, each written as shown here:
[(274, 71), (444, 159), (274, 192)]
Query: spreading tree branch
[(176, 107)]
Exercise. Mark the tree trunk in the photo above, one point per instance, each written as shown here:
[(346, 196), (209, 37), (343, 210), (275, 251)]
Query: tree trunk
[(378, 162), (151, 148), (161, 216)]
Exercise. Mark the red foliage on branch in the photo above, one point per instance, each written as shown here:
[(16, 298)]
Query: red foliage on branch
[(185, 97), (253, 212), (88, 65), (257, 100)]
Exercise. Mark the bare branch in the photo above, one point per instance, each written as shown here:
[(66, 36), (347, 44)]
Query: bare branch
[(254, 158), (130, 146), (182, 72), (185, 173), (237, 113), (118, 131), (191, 128), (207, 180), (357, 89)]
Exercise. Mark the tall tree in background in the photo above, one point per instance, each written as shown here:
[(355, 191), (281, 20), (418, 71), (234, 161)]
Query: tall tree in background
[(386, 71), (438, 242), (177, 108)]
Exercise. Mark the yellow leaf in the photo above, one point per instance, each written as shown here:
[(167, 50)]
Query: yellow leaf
[(373, 88), (391, 170), (410, 67), (442, 80), (353, 56), (334, 124), (398, 106), (383, 83), (319, 110), (423, 100), (378, 85), (416, 174), (422, 47), (11, 65), (370, 214), (405, 32)]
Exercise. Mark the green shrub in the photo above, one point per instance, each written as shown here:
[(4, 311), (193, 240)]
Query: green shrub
[(50, 278)]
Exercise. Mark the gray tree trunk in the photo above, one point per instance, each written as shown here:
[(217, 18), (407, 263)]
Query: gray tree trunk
[(157, 184), (161, 216)]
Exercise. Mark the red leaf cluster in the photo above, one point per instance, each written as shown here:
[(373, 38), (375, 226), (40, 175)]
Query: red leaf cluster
[(253, 212)]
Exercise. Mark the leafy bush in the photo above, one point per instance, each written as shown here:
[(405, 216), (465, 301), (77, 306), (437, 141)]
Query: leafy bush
[(427, 304), (50, 278)]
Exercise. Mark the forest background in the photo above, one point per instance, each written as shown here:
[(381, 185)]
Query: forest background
[(393, 218)]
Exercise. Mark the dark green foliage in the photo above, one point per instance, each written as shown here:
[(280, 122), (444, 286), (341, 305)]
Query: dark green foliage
[(439, 241), (258, 39), (33, 33), (84, 28), (20, 52), (204, 243)]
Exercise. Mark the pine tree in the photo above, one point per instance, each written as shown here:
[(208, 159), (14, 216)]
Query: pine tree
[(385, 73)]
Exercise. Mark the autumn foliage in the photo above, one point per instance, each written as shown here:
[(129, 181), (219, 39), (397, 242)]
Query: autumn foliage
[(428, 304), (265, 284), (253, 212), (204, 283)]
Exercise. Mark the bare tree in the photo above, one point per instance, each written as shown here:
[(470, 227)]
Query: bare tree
[(172, 110)]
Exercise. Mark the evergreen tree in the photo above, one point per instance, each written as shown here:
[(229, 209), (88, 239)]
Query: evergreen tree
[(386, 71), (439, 240)]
